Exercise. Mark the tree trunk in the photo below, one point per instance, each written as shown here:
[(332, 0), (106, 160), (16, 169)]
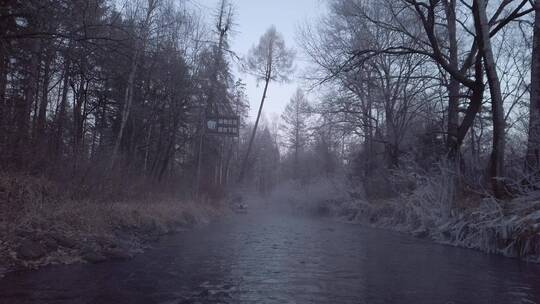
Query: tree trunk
[(475, 103), (453, 86), (250, 145), (128, 100), (60, 119), (78, 121), (128, 96), (533, 144), (37, 92), (147, 148), (484, 45), (41, 139), (166, 158), (297, 141), (3, 103), (22, 109)]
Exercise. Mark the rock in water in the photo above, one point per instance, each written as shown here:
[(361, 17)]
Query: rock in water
[(421, 233), (93, 257), (64, 241), (50, 243), (31, 250), (118, 254)]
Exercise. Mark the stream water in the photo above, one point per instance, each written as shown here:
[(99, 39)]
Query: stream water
[(267, 257)]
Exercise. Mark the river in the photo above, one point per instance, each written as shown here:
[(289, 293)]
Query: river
[(268, 257)]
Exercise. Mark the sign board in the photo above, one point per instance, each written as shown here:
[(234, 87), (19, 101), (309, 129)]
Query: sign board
[(223, 125)]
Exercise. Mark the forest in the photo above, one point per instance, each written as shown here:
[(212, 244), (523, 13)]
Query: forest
[(416, 115), (432, 108), (99, 97)]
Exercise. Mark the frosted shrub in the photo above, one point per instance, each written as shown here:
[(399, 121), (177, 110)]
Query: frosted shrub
[(429, 196)]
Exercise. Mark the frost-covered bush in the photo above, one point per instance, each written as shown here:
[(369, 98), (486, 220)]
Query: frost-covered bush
[(511, 228), (425, 198), (429, 205)]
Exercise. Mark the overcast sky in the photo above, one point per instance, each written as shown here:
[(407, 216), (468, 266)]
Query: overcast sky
[(253, 18)]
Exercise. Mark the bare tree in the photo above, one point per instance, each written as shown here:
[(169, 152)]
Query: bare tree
[(138, 51), (270, 60), (499, 132)]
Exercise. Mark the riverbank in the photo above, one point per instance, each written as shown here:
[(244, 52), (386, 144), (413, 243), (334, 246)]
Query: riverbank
[(510, 228), (40, 226)]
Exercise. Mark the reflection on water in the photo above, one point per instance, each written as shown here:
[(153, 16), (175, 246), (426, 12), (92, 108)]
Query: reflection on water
[(269, 258)]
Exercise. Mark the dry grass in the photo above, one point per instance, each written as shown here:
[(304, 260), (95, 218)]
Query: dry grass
[(35, 208), (510, 227)]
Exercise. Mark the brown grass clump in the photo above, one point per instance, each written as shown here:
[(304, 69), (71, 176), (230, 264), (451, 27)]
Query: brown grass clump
[(42, 219)]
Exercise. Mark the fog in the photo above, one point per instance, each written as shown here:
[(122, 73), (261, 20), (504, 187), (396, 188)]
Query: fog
[(222, 151)]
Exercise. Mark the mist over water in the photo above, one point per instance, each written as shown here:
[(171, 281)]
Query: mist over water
[(269, 256), (235, 151)]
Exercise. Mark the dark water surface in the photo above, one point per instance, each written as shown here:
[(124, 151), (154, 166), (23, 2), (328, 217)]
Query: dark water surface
[(263, 257)]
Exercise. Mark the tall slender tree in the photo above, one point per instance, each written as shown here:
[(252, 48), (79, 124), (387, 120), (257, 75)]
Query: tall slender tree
[(295, 125), (270, 60), (142, 34)]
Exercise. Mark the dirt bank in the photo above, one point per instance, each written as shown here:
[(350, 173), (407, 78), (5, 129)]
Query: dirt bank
[(39, 226)]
